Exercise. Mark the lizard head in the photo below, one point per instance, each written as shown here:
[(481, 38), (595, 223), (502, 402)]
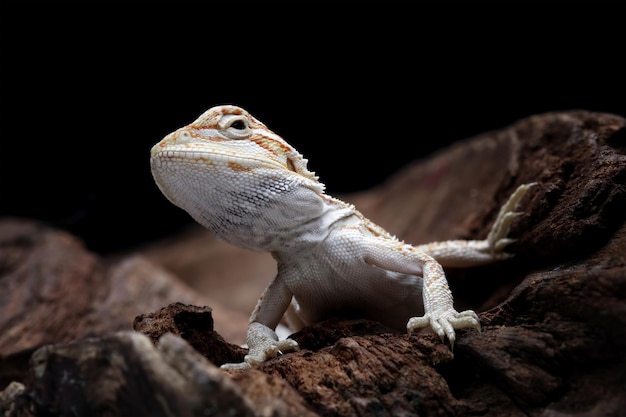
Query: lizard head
[(236, 177), (230, 134)]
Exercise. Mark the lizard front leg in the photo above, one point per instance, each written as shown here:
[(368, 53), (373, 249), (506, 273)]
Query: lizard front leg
[(263, 342), (439, 312)]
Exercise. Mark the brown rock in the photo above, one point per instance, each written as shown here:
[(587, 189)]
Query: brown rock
[(124, 374), (43, 271), (366, 369), (195, 325), (54, 291), (11, 398), (557, 342), (272, 395), (48, 286)]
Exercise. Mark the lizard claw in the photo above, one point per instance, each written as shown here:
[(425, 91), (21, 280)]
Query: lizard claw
[(271, 350), (444, 324)]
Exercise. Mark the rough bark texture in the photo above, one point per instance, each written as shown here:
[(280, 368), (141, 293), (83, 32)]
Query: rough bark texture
[(124, 374), (54, 291), (554, 317), (195, 325)]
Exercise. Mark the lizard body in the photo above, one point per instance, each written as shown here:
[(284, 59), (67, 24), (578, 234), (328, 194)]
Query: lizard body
[(251, 188)]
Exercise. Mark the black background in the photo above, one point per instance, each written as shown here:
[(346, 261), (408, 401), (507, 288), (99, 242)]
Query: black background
[(361, 89)]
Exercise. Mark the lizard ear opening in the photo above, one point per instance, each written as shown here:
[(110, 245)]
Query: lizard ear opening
[(291, 166)]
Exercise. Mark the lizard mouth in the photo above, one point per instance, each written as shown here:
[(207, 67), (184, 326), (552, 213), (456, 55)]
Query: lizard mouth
[(161, 156), (209, 147)]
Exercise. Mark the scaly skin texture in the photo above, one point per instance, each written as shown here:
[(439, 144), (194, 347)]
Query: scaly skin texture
[(251, 188)]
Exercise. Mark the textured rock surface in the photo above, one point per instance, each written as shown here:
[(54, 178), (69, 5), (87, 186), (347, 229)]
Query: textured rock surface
[(124, 374), (195, 325), (54, 291), (554, 317)]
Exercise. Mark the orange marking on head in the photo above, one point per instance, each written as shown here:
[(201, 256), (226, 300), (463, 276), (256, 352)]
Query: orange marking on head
[(271, 145), (214, 138), (236, 110)]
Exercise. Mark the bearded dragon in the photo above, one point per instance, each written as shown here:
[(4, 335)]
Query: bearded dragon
[(252, 189)]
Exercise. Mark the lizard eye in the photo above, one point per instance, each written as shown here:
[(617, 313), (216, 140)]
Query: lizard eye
[(238, 124), (235, 126)]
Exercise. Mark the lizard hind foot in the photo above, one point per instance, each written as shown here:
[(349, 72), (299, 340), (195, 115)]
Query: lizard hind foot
[(497, 237)]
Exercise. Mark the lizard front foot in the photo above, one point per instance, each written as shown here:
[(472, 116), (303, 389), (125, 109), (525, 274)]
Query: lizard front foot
[(263, 345), (444, 323)]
